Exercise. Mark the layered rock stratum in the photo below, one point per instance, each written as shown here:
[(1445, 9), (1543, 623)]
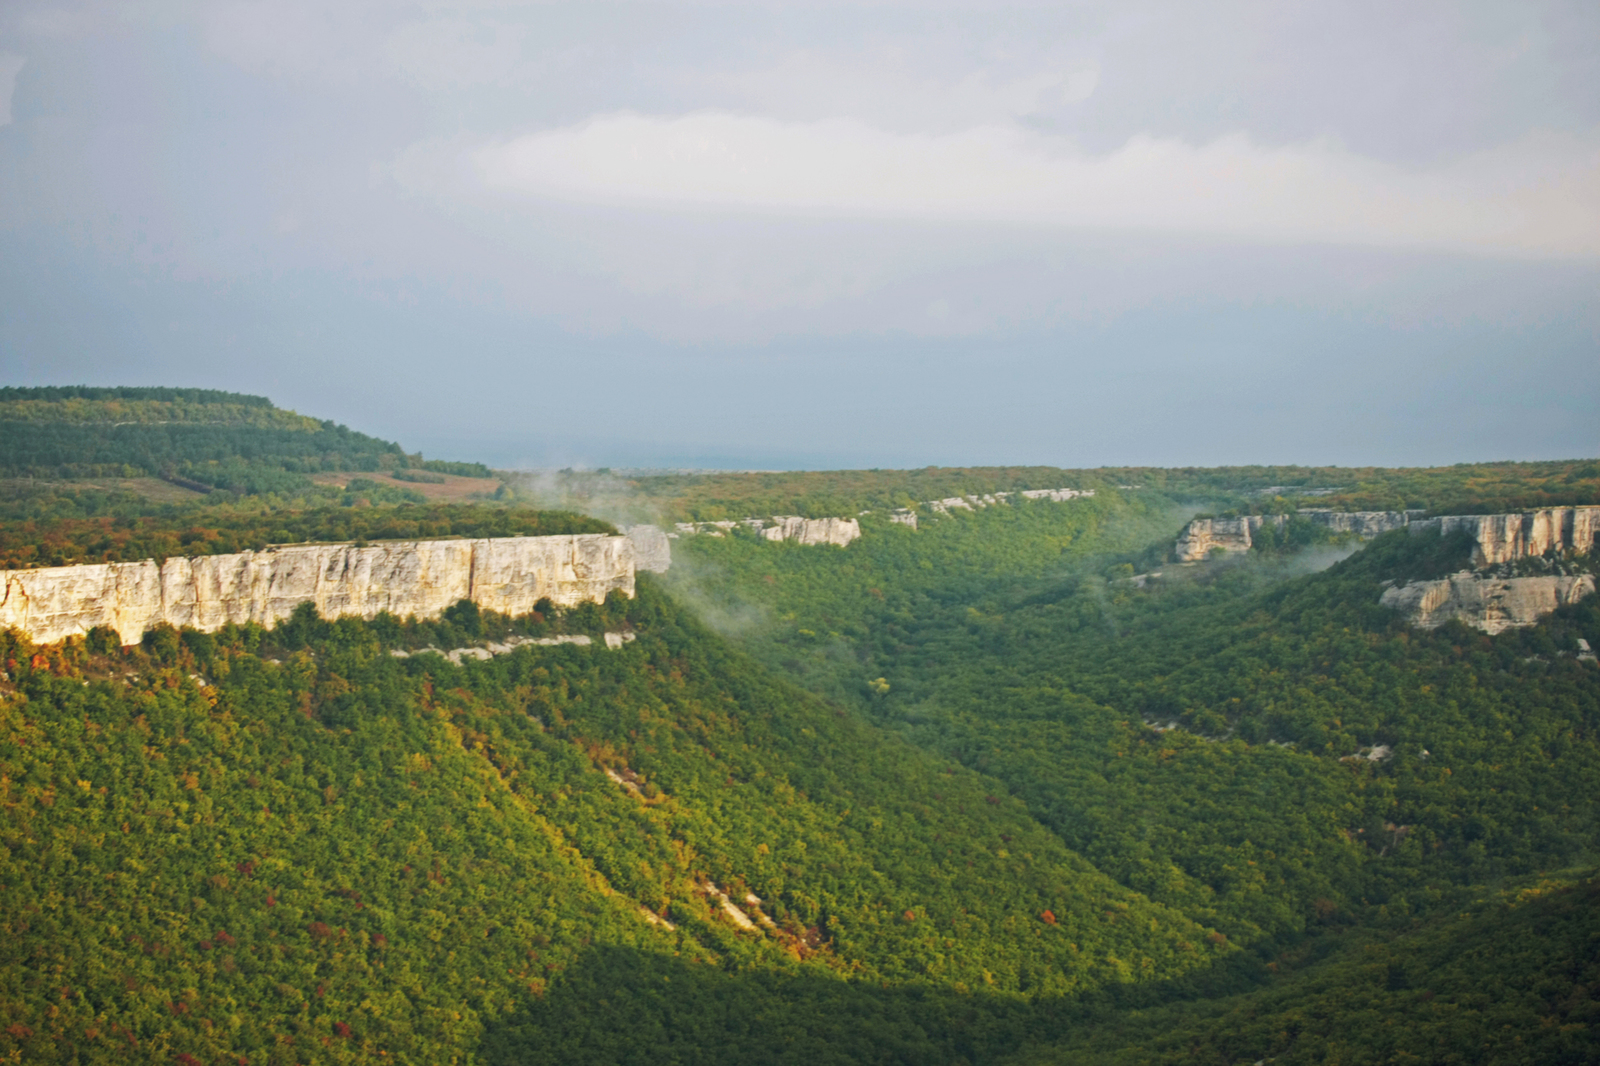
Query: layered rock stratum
[(1504, 538), (1487, 601), (421, 578), (841, 531), (1204, 535), (1499, 538), (836, 531), (1490, 604)]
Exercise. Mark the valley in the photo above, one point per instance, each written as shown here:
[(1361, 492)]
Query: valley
[(1022, 781)]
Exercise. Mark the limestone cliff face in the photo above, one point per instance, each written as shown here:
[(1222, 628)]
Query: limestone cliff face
[(1499, 538), (652, 550), (993, 499), (1490, 604), (1502, 538), (419, 578), (839, 531), (1362, 523), (1229, 534)]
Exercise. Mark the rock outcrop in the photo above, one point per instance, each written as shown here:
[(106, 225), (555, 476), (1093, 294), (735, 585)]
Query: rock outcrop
[(1490, 604), (1499, 538), (1361, 523), (842, 531), (652, 550), (992, 499), (1503, 538), (421, 578), (1203, 535), (839, 531)]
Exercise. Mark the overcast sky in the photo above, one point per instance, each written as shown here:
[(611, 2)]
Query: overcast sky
[(790, 235)]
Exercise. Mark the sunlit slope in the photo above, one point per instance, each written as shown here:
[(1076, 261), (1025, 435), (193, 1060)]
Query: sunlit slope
[(343, 852), (239, 880)]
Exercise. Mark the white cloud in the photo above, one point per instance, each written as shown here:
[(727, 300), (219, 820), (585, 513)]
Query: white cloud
[(1537, 196), (10, 67)]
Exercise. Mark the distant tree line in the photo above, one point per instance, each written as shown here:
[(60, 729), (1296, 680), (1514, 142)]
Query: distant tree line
[(185, 533), (161, 394)]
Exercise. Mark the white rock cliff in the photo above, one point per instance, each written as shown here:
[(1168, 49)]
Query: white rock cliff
[(1502, 538), (1200, 537), (1490, 604), (421, 578), (840, 531), (1499, 538)]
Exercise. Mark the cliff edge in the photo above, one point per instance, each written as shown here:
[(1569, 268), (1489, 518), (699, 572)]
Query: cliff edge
[(421, 578), (1490, 604)]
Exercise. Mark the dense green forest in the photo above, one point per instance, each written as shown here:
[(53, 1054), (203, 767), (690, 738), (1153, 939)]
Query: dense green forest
[(1203, 734), (290, 846), (1007, 788), (1466, 488), (1218, 690), (311, 839)]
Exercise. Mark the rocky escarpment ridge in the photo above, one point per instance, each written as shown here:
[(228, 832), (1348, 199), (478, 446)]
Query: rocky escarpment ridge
[(842, 531), (837, 531), (991, 499), (421, 578), (1504, 538), (1494, 602), (1497, 538), (1204, 535), (1201, 537), (1488, 601), (1490, 604), (907, 516)]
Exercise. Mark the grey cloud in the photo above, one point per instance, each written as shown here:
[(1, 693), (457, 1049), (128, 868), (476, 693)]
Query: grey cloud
[(284, 198)]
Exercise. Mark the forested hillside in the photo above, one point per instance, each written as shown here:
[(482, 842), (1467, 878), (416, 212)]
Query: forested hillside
[(1466, 488), (200, 439), (295, 845), (1261, 747), (1009, 787)]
